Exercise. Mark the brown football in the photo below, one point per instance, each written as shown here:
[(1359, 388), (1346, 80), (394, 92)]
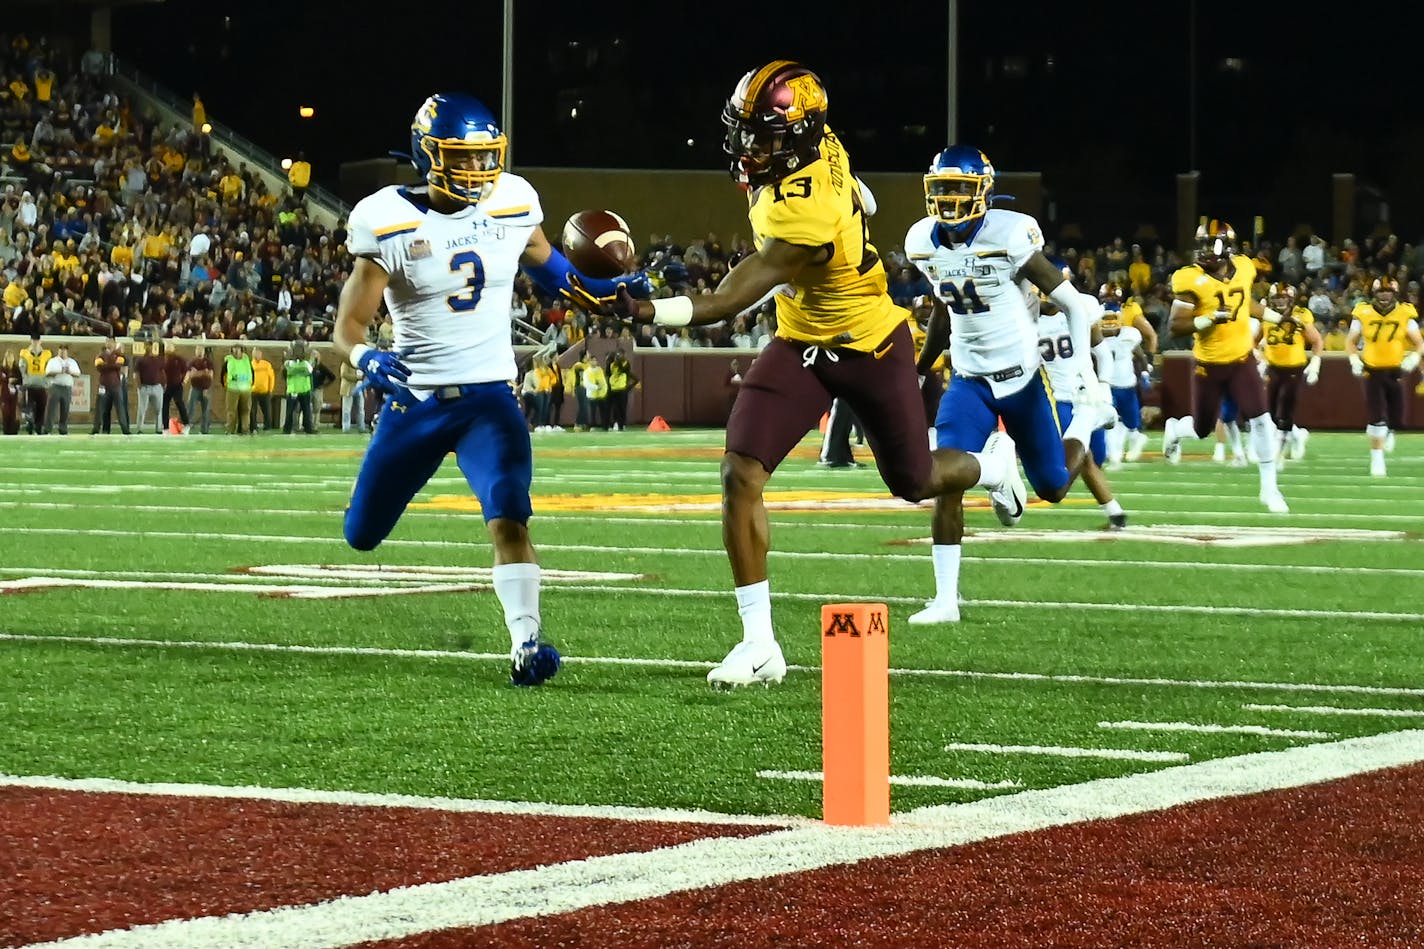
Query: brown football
[(598, 244)]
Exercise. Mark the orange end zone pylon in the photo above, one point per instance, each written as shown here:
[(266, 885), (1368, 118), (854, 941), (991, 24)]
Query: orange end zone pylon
[(855, 714)]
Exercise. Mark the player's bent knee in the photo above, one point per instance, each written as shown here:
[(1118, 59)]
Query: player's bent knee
[(742, 476), (509, 500), (361, 536)]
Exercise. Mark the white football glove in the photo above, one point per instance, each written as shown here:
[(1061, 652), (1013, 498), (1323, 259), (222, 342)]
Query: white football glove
[(1357, 365), (1261, 367), (1271, 316), (1410, 362), (1312, 371)]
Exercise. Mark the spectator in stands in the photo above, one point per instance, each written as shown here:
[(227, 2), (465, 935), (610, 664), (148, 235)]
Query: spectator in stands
[(1291, 262), (299, 176), (1321, 305), (1335, 339)]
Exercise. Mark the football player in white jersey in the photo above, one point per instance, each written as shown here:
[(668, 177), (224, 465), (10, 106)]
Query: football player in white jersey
[(983, 264), (1123, 329), (1054, 339), (444, 258)]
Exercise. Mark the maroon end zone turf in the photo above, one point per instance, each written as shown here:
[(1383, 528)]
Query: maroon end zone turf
[(75, 863), (1330, 865)]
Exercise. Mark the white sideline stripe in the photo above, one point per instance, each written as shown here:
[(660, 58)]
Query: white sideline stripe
[(1061, 751), (1334, 710), (366, 799), (1043, 677), (904, 780), (1209, 729), (622, 878), (40, 583)]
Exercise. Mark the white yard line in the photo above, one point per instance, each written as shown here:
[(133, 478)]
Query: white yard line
[(1210, 729), (1334, 710), (1034, 677), (902, 780), (365, 799), (622, 878), (1061, 751)]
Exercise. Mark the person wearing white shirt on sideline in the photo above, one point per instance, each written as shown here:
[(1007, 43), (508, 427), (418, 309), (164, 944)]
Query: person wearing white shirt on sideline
[(61, 371)]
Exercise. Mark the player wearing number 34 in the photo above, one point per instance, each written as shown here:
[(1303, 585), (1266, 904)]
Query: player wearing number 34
[(443, 257), (986, 265)]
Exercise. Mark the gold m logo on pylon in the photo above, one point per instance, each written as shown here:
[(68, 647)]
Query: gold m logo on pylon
[(842, 624), (877, 624)]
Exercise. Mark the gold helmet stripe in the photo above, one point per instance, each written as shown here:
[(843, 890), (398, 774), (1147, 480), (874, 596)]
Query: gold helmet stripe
[(758, 81)]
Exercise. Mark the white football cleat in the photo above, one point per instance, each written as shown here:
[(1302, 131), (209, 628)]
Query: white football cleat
[(1136, 442), (1296, 443), (1275, 502), (1009, 497), (1389, 444), (1238, 460), (749, 663), (1218, 453), (936, 611), (1171, 444), (1377, 468)]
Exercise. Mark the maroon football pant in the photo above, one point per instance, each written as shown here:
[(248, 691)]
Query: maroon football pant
[(1212, 381), (790, 386)]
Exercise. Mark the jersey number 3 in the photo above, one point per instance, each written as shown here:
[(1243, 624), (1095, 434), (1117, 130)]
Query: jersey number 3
[(474, 281)]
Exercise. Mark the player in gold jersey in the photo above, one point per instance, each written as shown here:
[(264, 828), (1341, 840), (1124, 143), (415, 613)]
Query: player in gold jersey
[(1212, 301), (1286, 330), (1380, 328), (839, 335)]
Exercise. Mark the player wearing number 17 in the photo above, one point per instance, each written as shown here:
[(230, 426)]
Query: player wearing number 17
[(839, 335), (984, 265), (444, 257), (1212, 302)]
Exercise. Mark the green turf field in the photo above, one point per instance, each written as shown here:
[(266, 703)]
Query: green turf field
[(179, 573)]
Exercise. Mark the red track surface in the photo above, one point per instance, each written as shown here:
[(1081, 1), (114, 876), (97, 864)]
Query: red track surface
[(1340, 864), (1323, 866), (75, 863)]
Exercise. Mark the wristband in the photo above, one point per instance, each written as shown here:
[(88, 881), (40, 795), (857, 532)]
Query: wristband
[(1202, 322), (672, 311), (358, 353)]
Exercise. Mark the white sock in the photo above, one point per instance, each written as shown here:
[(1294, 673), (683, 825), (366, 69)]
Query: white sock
[(946, 570), (1112, 508), (1376, 456), (754, 605), (1268, 476), (1080, 429), (991, 473), (517, 586), (1233, 436), (1117, 442)]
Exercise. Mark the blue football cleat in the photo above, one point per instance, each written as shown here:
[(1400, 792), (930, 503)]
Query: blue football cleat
[(533, 663)]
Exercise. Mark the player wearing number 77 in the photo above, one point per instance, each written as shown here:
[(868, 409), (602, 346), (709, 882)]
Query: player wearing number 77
[(1383, 325), (1212, 302), (444, 256), (838, 335), (984, 265)]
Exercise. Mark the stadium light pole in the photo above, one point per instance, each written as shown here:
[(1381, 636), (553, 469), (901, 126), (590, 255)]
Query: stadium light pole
[(1192, 85), (506, 100), (952, 72)]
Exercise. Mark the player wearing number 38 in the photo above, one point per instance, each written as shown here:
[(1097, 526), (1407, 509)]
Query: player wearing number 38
[(987, 268), (838, 335), (444, 257)]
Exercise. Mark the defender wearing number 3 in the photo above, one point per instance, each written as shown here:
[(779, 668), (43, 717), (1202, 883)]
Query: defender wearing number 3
[(985, 266), (444, 257), (1213, 302)]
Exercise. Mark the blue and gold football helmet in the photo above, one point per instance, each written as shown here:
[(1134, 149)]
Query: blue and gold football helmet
[(958, 187), (457, 146)]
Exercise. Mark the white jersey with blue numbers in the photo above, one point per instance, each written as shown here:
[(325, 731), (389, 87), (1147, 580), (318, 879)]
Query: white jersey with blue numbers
[(993, 335), (1055, 348), (1115, 354), (451, 277)]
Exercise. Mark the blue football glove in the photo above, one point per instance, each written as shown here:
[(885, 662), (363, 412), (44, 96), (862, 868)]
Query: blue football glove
[(600, 296), (383, 368), (1146, 377)]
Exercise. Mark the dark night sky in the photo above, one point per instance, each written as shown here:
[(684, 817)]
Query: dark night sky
[(1095, 96)]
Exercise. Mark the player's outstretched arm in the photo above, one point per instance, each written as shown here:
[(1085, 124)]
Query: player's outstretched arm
[(936, 336), (775, 263), (1149, 335), (551, 270)]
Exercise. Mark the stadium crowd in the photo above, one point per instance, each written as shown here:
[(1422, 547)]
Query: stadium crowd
[(113, 224)]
